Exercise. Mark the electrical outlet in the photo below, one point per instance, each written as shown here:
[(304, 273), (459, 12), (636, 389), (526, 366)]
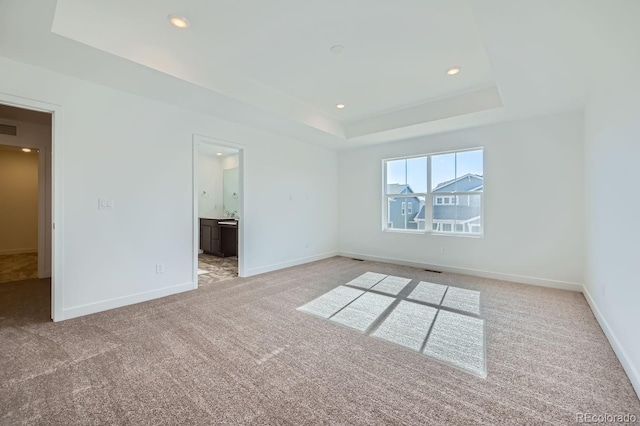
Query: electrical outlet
[(160, 268), (604, 289), (307, 245), (443, 251)]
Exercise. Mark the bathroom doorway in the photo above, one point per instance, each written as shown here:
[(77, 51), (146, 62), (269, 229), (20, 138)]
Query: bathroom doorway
[(218, 202)]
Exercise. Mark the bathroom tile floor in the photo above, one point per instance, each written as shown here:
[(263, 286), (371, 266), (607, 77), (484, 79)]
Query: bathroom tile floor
[(218, 268)]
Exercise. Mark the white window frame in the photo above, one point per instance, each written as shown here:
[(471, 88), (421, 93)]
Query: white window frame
[(430, 196)]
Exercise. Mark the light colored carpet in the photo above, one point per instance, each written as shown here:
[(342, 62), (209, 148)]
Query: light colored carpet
[(238, 352), (408, 325), (458, 340)]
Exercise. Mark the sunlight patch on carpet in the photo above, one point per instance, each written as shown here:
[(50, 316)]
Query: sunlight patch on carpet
[(367, 280), (408, 325), (428, 292), (462, 300), (363, 311), (391, 285), (331, 302), (434, 319), (458, 340)]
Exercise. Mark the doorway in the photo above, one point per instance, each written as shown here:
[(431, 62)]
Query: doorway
[(218, 195), (25, 213)]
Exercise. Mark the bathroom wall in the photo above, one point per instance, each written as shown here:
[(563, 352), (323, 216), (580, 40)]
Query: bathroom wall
[(210, 183)]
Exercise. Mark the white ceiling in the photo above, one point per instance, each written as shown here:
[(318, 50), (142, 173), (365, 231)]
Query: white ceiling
[(268, 64), (208, 150)]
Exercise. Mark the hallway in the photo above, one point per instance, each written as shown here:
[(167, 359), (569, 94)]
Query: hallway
[(17, 267)]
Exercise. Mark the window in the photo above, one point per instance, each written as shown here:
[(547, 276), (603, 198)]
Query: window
[(446, 189), (405, 185)]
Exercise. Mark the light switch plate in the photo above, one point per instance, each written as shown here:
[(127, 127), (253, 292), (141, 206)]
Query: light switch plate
[(105, 204)]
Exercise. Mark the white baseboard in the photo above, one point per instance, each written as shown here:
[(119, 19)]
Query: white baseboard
[(118, 302), (18, 251), (542, 282), (625, 360), (288, 264)]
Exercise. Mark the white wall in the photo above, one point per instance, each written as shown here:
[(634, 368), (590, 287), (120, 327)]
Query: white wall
[(533, 203), (210, 187), (138, 152), (612, 130), (18, 202)]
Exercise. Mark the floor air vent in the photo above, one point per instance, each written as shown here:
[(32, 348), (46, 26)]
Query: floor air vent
[(435, 272), (358, 260)]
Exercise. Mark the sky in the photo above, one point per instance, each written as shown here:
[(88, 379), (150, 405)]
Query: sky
[(445, 167)]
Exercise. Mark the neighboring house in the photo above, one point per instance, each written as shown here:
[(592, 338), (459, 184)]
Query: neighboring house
[(455, 213), (402, 209)]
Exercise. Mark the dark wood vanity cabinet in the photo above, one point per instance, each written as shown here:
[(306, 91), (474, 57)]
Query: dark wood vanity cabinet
[(219, 239), (210, 236)]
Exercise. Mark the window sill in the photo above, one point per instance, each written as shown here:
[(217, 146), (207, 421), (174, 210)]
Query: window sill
[(405, 231), (439, 234), (459, 234)]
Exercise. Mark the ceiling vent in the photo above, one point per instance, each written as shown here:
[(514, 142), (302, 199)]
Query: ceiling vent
[(7, 129)]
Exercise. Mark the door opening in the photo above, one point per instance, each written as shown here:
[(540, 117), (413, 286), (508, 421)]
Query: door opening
[(218, 206), (26, 212)]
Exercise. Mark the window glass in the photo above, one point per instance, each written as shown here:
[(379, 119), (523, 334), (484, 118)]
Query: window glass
[(469, 162), (397, 172), (417, 174), (452, 203), (443, 170)]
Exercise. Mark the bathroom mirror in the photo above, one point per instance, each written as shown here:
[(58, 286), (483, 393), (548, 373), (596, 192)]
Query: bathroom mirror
[(230, 191)]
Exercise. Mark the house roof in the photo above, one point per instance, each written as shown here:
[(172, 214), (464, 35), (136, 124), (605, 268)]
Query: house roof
[(399, 188), (465, 183)]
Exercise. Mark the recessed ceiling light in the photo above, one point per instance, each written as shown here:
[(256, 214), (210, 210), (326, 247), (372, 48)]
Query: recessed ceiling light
[(26, 149), (337, 49), (453, 70), (179, 21), (218, 153), (340, 106)]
